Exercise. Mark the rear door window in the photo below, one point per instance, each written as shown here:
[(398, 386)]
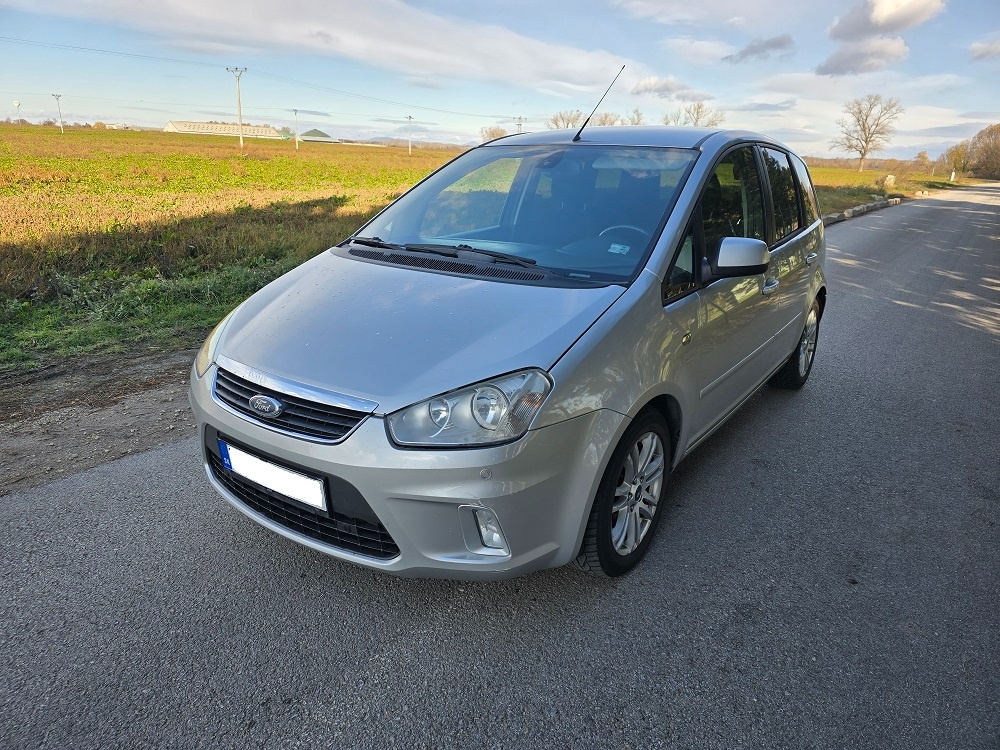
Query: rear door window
[(783, 194)]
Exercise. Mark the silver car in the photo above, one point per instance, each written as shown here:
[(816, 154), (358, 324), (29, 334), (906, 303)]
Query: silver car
[(498, 372)]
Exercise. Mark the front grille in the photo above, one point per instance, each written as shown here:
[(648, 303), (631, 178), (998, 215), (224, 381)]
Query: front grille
[(300, 416), (336, 529)]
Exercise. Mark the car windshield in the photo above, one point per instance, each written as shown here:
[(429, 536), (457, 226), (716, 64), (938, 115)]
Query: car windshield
[(581, 211)]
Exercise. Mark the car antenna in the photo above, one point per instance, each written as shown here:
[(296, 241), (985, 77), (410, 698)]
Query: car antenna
[(577, 136)]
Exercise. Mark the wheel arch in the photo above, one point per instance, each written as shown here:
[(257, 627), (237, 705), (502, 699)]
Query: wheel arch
[(821, 298), (670, 409)]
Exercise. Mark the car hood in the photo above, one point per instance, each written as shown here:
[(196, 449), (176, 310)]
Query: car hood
[(397, 336)]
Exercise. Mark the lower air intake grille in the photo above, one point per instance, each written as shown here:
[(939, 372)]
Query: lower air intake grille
[(337, 530)]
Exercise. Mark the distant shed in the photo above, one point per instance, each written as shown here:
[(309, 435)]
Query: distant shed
[(220, 128), (317, 136)]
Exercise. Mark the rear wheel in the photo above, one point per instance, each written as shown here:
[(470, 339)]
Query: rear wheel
[(626, 510), (795, 372)]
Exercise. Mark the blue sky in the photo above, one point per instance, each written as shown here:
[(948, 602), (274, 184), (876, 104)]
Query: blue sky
[(356, 69)]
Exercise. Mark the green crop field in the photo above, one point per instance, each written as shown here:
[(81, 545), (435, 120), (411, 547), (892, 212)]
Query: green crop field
[(114, 239), (108, 238)]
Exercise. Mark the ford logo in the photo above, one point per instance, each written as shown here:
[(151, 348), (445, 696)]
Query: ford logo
[(266, 406)]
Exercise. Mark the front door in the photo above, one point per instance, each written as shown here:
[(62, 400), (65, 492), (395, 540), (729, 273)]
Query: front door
[(730, 349)]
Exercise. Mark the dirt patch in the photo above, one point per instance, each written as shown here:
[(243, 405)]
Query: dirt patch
[(85, 411)]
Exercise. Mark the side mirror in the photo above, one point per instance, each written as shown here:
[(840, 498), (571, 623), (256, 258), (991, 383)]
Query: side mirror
[(740, 256)]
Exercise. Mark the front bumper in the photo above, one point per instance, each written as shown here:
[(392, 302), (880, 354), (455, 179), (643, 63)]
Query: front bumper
[(540, 488)]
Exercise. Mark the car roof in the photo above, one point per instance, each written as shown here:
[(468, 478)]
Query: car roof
[(631, 135)]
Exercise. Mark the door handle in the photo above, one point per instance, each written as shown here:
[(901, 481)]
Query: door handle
[(770, 287), (811, 258)]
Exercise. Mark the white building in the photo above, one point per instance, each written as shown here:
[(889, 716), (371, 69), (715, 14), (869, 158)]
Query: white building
[(220, 128)]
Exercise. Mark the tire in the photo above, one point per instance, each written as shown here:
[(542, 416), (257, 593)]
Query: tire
[(629, 504), (795, 372)]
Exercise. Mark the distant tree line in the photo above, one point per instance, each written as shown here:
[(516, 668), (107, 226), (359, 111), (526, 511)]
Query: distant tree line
[(696, 114), (979, 155)]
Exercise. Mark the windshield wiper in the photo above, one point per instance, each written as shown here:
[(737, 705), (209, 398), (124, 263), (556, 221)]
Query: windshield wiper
[(445, 250), (449, 251), (497, 255), (378, 242), (375, 242)]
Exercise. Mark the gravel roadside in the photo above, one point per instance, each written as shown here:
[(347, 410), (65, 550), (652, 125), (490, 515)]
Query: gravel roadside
[(85, 411)]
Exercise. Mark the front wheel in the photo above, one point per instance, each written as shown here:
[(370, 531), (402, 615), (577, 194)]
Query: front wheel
[(627, 508), (795, 372)]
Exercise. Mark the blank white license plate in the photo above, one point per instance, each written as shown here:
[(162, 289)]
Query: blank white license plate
[(289, 483)]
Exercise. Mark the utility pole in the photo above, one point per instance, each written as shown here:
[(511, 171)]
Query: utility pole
[(239, 108), (59, 106), (409, 135), (296, 129), (519, 121)]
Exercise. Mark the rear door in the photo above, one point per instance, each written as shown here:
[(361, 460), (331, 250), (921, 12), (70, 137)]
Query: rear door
[(790, 242)]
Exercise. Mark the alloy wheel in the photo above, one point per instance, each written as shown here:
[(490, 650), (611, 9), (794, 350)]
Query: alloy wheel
[(637, 493)]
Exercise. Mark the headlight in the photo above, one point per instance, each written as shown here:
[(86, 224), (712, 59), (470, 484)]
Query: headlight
[(488, 413), (206, 355)]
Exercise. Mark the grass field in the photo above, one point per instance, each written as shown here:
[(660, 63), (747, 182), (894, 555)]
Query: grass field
[(839, 188), (112, 239)]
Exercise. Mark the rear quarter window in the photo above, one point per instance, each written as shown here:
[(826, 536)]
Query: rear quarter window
[(809, 202)]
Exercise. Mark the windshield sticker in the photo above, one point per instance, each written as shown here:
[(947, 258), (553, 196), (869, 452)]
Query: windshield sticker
[(619, 249)]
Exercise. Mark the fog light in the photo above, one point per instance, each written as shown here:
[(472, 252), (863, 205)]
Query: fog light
[(489, 529)]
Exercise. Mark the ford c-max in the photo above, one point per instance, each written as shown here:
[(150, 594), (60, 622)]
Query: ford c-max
[(498, 372)]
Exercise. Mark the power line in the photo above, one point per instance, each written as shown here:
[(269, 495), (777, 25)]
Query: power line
[(318, 87), (74, 48), (218, 106), (255, 72)]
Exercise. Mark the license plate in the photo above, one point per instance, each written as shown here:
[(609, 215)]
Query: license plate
[(277, 478)]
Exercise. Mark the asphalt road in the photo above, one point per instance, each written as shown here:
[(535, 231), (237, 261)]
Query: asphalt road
[(826, 575)]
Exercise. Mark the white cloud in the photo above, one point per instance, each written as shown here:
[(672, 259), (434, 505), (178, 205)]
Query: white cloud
[(698, 51), (879, 17), (389, 34), (864, 56), (982, 50), (736, 13), (765, 107), (761, 49), (669, 88)]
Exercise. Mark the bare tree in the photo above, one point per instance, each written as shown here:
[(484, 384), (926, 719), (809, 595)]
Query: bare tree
[(566, 119), (868, 126), (985, 152), (492, 132), (674, 118), (923, 161), (699, 114), (606, 118), (696, 114), (635, 117)]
